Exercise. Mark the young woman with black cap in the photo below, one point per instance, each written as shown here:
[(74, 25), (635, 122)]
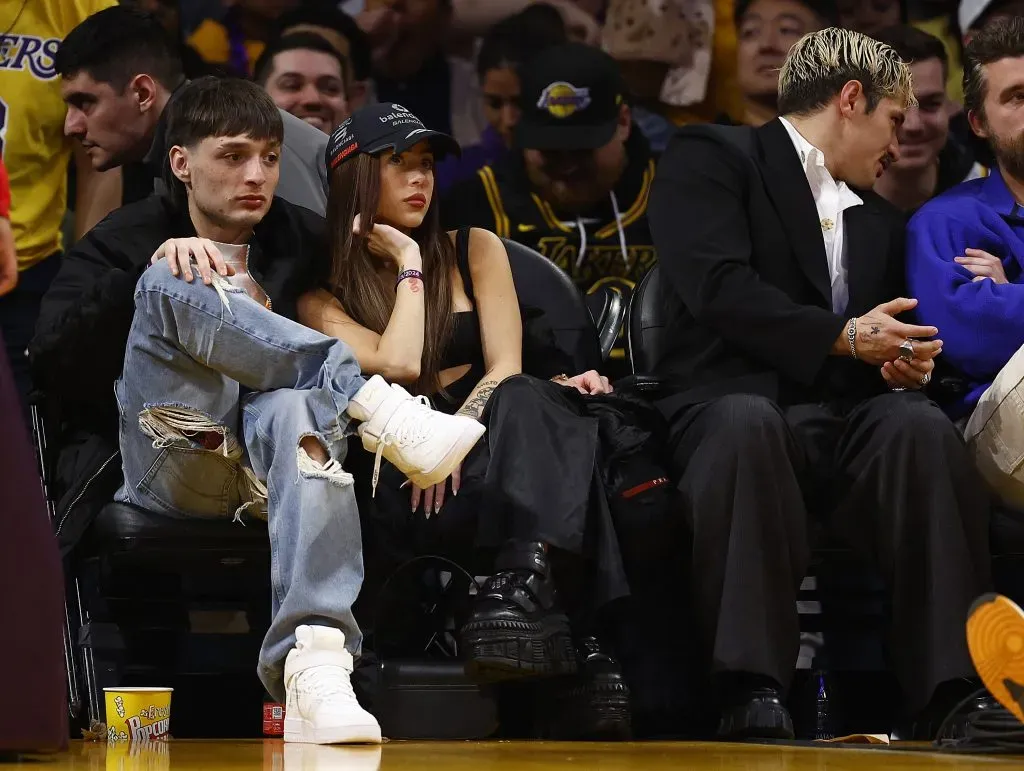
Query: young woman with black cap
[(438, 313)]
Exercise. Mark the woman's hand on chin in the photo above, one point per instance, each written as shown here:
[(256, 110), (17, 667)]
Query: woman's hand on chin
[(391, 244)]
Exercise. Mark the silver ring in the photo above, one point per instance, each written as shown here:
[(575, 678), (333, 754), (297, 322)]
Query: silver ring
[(907, 351), (926, 380)]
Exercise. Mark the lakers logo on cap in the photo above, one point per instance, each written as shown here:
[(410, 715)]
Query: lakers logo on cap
[(563, 99)]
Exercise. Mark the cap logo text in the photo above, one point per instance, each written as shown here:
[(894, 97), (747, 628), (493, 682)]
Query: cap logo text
[(563, 100)]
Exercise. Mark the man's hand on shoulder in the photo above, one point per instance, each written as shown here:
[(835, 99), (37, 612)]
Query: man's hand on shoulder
[(180, 252)]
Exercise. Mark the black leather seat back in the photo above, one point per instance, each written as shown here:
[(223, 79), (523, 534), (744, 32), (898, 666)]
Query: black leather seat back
[(542, 285), (645, 329)]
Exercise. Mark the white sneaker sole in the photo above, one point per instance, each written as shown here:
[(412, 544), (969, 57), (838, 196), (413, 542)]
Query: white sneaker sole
[(466, 441), (302, 732)]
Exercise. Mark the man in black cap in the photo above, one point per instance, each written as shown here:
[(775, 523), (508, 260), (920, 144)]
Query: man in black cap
[(575, 187)]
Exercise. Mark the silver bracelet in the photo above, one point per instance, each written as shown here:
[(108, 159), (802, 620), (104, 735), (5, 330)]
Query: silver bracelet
[(851, 336)]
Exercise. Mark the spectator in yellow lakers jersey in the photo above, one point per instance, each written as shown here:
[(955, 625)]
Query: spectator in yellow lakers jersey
[(36, 154)]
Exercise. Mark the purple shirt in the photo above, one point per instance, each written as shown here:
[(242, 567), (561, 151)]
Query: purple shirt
[(451, 171)]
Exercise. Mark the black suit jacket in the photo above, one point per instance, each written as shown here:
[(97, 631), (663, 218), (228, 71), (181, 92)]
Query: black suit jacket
[(747, 293)]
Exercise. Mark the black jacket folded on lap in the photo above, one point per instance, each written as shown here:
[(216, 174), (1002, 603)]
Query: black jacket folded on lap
[(78, 349)]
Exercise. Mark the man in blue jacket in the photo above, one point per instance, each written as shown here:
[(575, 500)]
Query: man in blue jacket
[(965, 263)]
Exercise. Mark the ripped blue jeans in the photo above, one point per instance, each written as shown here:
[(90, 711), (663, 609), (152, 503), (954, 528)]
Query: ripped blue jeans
[(217, 397)]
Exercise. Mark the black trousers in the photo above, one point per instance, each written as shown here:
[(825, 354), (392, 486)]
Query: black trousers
[(889, 476), (532, 477)]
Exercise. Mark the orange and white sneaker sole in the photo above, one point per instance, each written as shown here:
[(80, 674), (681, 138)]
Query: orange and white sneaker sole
[(995, 638)]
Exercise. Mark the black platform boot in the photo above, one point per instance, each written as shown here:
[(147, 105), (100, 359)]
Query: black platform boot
[(594, 704), (516, 628)]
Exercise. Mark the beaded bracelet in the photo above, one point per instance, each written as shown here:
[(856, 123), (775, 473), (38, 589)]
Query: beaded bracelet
[(408, 274), (851, 336)]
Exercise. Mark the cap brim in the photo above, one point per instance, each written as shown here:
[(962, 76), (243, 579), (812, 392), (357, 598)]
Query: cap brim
[(441, 144), (564, 137)]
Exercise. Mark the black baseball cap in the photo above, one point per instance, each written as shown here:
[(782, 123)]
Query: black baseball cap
[(571, 96), (383, 126)]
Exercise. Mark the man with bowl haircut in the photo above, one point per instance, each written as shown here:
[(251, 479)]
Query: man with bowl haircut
[(795, 392), (227, 408)]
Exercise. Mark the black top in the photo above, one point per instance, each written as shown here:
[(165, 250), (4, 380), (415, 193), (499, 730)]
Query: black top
[(465, 346)]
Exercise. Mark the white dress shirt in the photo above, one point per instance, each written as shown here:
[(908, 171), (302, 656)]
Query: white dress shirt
[(831, 199)]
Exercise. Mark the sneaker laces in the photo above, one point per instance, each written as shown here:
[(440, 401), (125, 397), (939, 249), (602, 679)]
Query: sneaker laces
[(325, 682), (410, 434)]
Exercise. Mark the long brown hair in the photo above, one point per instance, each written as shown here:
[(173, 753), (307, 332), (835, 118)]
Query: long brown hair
[(355, 189)]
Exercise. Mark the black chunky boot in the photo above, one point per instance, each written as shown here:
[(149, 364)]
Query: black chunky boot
[(592, 706), (516, 628)]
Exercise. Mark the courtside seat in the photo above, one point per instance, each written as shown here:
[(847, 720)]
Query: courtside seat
[(542, 285), (122, 528), (152, 599), (128, 533), (608, 310)]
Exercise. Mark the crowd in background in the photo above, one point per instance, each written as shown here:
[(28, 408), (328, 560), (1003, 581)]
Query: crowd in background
[(565, 111), (457, 65)]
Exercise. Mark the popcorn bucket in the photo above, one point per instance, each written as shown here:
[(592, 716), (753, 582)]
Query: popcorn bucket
[(137, 714)]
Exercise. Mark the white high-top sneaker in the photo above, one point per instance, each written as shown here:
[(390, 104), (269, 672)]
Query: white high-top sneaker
[(321, 707), (422, 443)]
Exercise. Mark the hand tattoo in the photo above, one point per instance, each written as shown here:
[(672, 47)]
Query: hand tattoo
[(474, 406), (875, 329)]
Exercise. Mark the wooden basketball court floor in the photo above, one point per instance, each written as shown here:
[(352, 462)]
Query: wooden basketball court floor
[(274, 755)]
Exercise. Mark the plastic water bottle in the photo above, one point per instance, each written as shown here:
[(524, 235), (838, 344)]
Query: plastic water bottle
[(823, 727)]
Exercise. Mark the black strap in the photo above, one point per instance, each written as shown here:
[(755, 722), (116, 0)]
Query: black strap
[(462, 258)]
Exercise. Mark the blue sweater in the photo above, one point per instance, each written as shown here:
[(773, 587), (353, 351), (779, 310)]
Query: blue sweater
[(981, 323)]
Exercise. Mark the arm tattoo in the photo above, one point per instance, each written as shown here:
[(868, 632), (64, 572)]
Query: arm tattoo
[(474, 406)]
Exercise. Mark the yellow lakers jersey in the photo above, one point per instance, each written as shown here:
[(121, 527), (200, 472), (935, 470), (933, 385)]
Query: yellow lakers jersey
[(210, 40), (32, 140)]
